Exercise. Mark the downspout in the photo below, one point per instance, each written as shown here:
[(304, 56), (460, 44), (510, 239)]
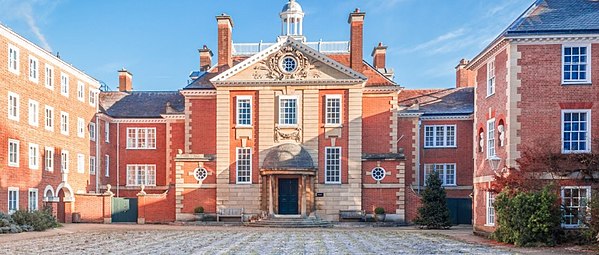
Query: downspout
[(98, 159), (118, 176), (418, 154)]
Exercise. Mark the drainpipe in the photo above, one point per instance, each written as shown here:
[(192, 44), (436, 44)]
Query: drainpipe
[(97, 154), (118, 176), (418, 154)]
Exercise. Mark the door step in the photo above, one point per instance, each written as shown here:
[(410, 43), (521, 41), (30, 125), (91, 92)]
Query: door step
[(290, 223)]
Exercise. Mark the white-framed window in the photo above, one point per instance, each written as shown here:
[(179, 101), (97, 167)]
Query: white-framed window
[(490, 138), (92, 165), (64, 123), (13, 59), (80, 127), (332, 165), (439, 136), (49, 78), (576, 62), (92, 97), (106, 165), (34, 156), (13, 153), (106, 132), (49, 159), (575, 205), (447, 173), (287, 110), (141, 138), (92, 131), (49, 118), (490, 208), (576, 131), (64, 84), (80, 163), (33, 197), (200, 174), (80, 91), (244, 165), (13, 200), (13, 106), (34, 113), (138, 175), (64, 161), (378, 173), (33, 69), (333, 110), (491, 77), (244, 111)]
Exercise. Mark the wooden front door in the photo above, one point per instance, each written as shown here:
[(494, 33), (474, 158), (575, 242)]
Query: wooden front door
[(288, 196)]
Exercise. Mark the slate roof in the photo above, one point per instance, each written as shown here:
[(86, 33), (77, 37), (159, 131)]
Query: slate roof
[(141, 104), (546, 17), (437, 102), (288, 156)]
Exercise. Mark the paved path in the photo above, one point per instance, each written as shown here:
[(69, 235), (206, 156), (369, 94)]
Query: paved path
[(135, 239)]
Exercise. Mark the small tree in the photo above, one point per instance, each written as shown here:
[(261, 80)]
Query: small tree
[(434, 213)]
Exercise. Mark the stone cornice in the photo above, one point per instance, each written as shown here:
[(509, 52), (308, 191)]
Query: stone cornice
[(197, 92), (449, 117)]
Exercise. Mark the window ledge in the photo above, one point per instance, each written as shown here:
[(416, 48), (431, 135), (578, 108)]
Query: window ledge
[(13, 165), (141, 148), (333, 125), (444, 147), (288, 126), (489, 225), (243, 127), (490, 95), (581, 83)]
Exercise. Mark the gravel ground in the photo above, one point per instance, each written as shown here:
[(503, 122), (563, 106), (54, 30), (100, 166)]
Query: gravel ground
[(220, 240)]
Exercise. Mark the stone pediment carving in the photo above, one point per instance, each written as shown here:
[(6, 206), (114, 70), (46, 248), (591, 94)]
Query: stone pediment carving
[(295, 134), (291, 61), (272, 67)]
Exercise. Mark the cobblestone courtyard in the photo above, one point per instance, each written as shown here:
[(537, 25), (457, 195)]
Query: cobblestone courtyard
[(236, 240)]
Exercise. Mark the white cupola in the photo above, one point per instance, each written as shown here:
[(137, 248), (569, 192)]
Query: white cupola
[(292, 17)]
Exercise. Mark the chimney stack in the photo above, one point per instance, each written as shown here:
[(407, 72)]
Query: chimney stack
[(125, 81), (379, 54), (356, 48), (464, 77), (205, 58), (225, 42)]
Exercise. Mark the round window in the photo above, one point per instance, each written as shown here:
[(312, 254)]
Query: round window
[(200, 173), (289, 64), (378, 173)]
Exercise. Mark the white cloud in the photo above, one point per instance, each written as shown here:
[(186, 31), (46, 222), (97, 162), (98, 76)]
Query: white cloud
[(30, 12)]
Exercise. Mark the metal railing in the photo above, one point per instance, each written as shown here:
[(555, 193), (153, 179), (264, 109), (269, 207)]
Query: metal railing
[(244, 49)]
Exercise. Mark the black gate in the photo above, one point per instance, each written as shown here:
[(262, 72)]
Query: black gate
[(460, 210), (288, 196), (124, 209)]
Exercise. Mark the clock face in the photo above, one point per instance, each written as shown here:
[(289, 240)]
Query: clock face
[(288, 64)]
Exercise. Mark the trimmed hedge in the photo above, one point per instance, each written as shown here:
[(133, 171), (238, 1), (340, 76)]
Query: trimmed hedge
[(528, 218)]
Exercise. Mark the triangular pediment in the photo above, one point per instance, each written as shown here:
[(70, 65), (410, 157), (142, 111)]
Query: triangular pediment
[(289, 61)]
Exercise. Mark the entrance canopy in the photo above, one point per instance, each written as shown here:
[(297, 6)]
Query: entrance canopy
[(288, 157)]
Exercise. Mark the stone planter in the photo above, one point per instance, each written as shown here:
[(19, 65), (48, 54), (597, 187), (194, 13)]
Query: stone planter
[(199, 216), (379, 217)]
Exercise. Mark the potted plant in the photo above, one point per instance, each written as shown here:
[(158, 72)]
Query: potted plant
[(379, 214), (199, 213)]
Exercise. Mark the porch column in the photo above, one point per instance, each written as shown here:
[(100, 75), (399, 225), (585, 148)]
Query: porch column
[(304, 200), (271, 210)]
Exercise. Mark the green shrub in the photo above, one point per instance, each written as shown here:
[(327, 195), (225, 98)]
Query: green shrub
[(379, 210), (528, 218), (198, 209), (434, 213), (40, 220)]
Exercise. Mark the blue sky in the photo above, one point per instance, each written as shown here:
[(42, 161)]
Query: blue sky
[(157, 40)]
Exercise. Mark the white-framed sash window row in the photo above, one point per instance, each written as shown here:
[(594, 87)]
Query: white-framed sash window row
[(49, 159), (13, 59), (575, 205), (576, 131), (491, 77), (332, 165), (490, 208), (14, 106), (34, 113), (13, 199), (447, 173), (81, 91), (64, 84), (333, 110), (141, 174), (49, 77), (13, 152), (243, 165), (141, 138), (490, 138), (33, 69), (49, 118), (440, 136), (288, 105), (576, 63), (33, 195), (34, 156)]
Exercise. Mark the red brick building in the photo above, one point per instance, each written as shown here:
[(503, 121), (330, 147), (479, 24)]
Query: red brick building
[(46, 156), (290, 127), (535, 86)]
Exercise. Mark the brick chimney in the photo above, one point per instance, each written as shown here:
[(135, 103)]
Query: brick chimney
[(379, 54), (225, 42), (356, 44), (464, 77), (125, 81), (205, 58)]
